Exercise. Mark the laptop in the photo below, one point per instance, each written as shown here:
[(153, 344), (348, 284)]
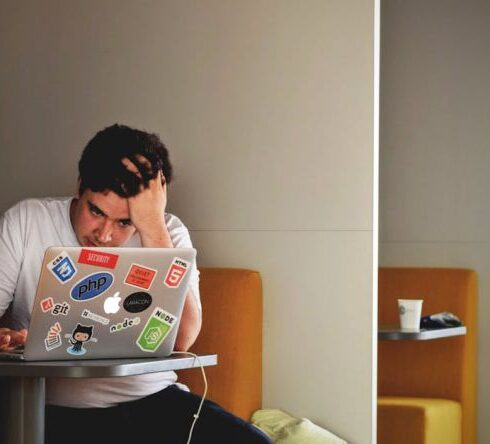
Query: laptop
[(95, 303)]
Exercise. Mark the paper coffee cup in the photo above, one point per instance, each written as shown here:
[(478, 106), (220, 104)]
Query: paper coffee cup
[(410, 311)]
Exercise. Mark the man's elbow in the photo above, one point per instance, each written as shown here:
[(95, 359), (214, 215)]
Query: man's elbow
[(187, 336)]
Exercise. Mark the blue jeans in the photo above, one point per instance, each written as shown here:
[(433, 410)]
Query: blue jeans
[(164, 417)]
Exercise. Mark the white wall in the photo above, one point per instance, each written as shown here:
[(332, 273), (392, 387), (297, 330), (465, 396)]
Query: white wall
[(434, 150), (267, 107)]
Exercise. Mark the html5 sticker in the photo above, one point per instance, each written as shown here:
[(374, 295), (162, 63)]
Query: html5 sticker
[(176, 272), (98, 258), (62, 267), (139, 276)]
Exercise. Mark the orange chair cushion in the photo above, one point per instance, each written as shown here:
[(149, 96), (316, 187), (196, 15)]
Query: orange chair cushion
[(418, 421)]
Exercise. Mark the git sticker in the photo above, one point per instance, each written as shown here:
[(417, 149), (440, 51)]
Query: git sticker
[(139, 276), (176, 272), (53, 339), (156, 330), (62, 267)]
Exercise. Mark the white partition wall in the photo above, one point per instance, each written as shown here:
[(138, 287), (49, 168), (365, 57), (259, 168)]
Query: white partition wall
[(434, 151), (268, 109)]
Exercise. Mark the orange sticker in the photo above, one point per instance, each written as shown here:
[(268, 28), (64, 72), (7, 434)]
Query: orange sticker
[(139, 276)]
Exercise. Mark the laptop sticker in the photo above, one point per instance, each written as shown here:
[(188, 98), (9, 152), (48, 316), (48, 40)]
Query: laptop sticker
[(79, 337), (111, 304), (139, 276), (62, 309), (176, 272), (156, 330), (91, 286), (127, 323), (94, 317), (98, 258), (47, 304), (137, 302), (62, 267), (53, 338)]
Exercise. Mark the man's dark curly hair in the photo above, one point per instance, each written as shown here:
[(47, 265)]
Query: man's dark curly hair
[(100, 167)]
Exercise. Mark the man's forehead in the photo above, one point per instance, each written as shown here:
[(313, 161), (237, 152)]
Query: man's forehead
[(111, 204)]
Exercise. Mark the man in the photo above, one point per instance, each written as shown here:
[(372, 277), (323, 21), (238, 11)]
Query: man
[(121, 201)]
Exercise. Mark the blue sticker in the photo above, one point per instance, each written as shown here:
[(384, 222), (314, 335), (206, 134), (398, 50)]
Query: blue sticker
[(62, 267), (91, 286)]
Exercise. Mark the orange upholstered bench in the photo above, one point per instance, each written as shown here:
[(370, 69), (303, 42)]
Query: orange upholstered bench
[(232, 328)]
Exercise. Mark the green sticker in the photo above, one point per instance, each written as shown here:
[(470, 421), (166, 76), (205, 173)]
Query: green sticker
[(156, 330)]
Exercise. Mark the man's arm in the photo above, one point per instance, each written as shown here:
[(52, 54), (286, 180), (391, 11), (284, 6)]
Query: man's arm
[(147, 211), (11, 250), (190, 321)]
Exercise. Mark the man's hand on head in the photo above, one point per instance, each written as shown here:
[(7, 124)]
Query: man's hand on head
[(147, 208), (11, 339)]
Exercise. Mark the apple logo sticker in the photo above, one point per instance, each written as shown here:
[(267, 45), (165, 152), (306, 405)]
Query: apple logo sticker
[(111, 304)]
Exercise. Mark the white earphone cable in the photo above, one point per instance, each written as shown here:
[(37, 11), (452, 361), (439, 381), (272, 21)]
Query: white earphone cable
[(196, 415)]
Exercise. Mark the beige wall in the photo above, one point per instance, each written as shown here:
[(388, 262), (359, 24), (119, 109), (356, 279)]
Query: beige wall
[(267, 107), (435, 147)]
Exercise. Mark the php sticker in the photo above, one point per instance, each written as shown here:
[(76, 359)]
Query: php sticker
[(91, 286), (98, 258), (53, 339), (47, 304), (139, 276), (62, 267), (156, 330), (176, 272), (137, 302)]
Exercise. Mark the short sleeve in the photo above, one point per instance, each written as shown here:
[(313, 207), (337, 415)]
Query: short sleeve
[(181, 239), (11, 255)]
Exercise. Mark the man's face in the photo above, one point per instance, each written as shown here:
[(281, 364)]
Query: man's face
[(101, 219)]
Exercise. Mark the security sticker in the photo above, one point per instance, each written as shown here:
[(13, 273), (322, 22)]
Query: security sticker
[(176, 272), (156, 330), (53, 338), (62, 267), (79, 337), (94, 317), (47, 304), (139, 276), (98, 258)]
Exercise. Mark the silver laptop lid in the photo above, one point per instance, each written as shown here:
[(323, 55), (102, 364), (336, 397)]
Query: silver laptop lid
[(94, 303)]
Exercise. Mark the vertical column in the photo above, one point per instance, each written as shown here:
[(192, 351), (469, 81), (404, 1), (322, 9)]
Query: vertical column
[(24, 418)]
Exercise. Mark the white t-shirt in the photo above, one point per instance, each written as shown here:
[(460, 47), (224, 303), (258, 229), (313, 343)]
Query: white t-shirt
[(26, 230)]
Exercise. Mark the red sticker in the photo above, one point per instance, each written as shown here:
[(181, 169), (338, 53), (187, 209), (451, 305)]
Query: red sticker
[(98, 258), (47, 304), (139, 276), (176, 272)]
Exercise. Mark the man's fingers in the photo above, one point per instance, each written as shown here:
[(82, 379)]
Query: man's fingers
[(5, 339), (18, 337), (139, 166), (144, 161), (130, 166)]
